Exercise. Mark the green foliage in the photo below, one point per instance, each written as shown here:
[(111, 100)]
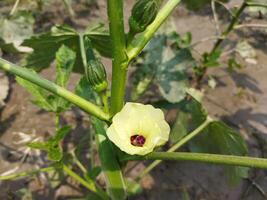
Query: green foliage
[(165, 67), (14, 29), (211, 59), (83, 90), (65, 59), (46, 45), (217, 137), (52, 146)]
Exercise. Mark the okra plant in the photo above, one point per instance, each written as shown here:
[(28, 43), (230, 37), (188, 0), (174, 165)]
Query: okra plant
[(123, 128)]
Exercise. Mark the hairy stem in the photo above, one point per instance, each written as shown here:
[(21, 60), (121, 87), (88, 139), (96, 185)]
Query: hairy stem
[(175, 147), (134, 49), (109, 163), (244, 161), (120, 60), (27, 173), (89, 185), (85, 105)]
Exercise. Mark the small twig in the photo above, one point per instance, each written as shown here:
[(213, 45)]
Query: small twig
[(215, 17), (257, 5), (225, 7), (206, 39), (12, 12), (250, 26)]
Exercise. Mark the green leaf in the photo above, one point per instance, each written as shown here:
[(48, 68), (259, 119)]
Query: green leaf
[(84, 90), (171, 75), (220, 138), (39, 94), (211, 60), (147, 68), (100, 39), (14, 29), (55, 153), (39, 145), (216, 138), (165, 67), (180, 42), (65, 59), (94, 172), (61, 133), (46, 45)]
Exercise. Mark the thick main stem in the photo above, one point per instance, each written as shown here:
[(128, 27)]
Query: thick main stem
[(55, 89), (206, 158), (119, 57)]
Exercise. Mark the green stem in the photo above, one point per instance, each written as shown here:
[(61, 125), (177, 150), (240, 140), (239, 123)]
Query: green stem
[(12, 12), (134, 49), (120, 60), (256, 5), (89, 185), (78, 163), (104, 98), (206, 158), (230, 27), (109, 163), (52, 87), (83, 53), (175, 147), (27, 173)]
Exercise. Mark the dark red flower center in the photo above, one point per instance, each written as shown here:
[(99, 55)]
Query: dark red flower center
[(138, 140)]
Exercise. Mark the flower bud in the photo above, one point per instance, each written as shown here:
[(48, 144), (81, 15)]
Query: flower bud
[(96, 75), (143, 13)]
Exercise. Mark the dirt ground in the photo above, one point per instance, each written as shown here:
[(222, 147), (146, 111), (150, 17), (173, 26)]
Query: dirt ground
[(239, 99)]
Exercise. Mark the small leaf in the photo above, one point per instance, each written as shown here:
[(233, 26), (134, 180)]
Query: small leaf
[(39, 94), (211, 60), (61, 133), (84, 90), (65, 59), (133, 187), (55, 153), (39, 145)]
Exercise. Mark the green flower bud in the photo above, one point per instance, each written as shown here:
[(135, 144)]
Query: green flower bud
[(96, 75), (143, 13)]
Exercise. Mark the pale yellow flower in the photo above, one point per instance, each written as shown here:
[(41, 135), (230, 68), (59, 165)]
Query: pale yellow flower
[(138, 129)]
